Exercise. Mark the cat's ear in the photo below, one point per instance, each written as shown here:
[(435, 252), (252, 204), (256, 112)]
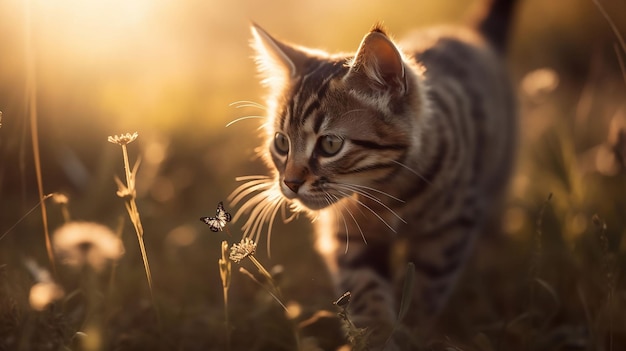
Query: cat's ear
[(379, 61), (274, 58)]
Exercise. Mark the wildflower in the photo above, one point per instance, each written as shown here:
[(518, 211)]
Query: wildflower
[(45, 291), (127, 192), (60, 198), (80, 243), (123, 139), (245, 248)]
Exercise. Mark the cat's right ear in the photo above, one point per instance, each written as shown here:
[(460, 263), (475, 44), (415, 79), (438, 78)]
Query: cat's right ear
[(275, 60)]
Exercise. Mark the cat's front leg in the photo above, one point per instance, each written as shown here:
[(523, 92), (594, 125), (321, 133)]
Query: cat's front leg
[(362, 267)]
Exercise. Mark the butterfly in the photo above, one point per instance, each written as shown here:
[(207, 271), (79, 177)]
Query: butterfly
[(218, 222)]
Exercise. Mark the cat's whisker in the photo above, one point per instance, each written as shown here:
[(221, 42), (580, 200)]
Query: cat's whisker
[(369, 196), (243, 104), (252, 203), (412, 171), (262, 206), (262, 201), (243, 119), (252, 177), (250, 187), (263, 126), (248, 183), (369, 209), (262, 219), (334, 199), (257, 221), (284, 215), (337, 203), (375, 190), (355, 222), (247, 103), (270, 226)]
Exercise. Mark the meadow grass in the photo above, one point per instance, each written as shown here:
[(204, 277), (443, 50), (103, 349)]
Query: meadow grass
[(552, 279), (546, 284)]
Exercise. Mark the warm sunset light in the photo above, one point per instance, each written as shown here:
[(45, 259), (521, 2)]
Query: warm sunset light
[(154, 195)]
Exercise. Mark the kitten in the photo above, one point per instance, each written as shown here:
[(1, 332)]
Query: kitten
[(401, 152)]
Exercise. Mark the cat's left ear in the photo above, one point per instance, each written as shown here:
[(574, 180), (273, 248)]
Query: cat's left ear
[(379, 61), (274, 57)]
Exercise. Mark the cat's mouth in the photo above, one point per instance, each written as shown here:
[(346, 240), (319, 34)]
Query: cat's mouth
[(313, 203), (311, 197)]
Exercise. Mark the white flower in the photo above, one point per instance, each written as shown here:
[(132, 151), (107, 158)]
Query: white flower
[(80, 243), (245, 248), (45, 291), (123, 139)]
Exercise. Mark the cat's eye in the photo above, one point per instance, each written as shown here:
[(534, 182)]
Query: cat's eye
[(281, 142), (329, 145)]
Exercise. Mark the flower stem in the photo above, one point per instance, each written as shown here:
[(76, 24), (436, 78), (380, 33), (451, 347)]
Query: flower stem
[(261, 268)]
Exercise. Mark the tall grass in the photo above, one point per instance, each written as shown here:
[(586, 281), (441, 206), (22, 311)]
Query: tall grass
[(552, 281)]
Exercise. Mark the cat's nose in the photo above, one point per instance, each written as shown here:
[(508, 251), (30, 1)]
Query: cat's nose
[(293, 184)]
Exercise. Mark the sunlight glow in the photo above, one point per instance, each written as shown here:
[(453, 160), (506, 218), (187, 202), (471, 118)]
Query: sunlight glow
[(97, 23), (325, 243)]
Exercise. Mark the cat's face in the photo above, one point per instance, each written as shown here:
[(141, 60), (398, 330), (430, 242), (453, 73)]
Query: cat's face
[(338, 149), (336, 127)]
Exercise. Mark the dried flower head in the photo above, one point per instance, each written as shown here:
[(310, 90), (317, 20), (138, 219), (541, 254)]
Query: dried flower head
[(123, 139), (80, 243), (245, 248), (60, 198), (45, 291)]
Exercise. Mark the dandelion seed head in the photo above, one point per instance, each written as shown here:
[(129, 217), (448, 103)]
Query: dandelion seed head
[(60, 199), (243, 249), (123, 139), (81, 243), (44, 293)]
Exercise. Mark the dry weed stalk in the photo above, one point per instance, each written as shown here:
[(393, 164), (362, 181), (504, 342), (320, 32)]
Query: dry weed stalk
[(129, 193), (225, 274)]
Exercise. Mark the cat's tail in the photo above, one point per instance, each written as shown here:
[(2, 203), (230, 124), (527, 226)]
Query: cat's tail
[(495, 22)]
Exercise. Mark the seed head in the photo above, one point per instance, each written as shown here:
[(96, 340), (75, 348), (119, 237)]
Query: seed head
[(60, 198), (81, 243), (245, 248), (123, 139)]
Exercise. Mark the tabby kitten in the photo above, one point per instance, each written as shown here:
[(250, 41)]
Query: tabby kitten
[(401, 153)]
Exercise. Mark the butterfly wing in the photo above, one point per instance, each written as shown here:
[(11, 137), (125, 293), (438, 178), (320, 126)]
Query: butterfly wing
[(218, 222), (213, 223), (222, 215)]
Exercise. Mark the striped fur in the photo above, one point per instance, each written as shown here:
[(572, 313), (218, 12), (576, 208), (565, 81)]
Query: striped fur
[(421, 143)]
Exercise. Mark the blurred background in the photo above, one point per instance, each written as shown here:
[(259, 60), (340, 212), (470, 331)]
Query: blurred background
[(169, 70)]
